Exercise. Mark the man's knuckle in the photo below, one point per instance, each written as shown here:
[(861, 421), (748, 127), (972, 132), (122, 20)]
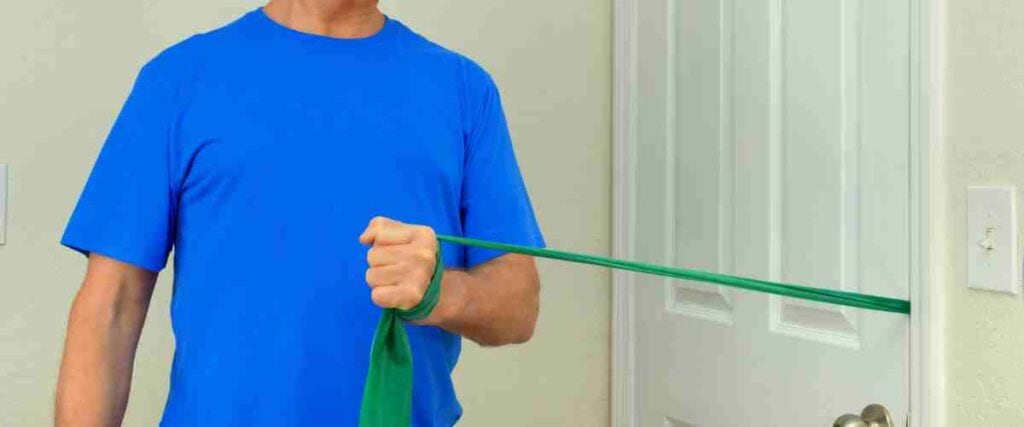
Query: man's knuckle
[(414, 296), (382, 298)]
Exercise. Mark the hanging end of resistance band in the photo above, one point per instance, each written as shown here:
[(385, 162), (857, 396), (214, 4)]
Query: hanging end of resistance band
[(387, 395)]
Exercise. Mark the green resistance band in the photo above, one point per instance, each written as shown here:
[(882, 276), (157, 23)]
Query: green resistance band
[(387, 393), (387, 398)]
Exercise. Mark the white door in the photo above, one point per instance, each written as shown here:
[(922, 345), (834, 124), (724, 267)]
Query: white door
[(772, 140)]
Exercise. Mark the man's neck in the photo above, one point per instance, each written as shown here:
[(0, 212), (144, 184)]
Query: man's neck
[(333, 18)]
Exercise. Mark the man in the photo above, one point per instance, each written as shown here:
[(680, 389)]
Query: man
[(288, 158)]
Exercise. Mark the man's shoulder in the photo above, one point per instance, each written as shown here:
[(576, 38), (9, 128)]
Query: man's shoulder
[(184, 56), (431, 50)]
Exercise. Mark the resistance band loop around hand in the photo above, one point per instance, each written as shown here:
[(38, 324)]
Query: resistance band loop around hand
[(387, 400)]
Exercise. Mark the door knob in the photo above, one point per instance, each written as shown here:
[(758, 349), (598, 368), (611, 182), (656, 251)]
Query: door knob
[(874, 415)]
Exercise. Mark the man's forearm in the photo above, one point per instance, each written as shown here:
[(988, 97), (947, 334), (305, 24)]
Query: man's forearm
[(103, 331), (492, 304)]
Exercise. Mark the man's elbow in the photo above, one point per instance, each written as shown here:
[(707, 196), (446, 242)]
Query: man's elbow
[(522, 337), (527, 323), (523, 333), (518, 330)]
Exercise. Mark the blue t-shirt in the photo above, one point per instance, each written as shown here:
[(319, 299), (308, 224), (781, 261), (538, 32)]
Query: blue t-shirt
[(259, 153)]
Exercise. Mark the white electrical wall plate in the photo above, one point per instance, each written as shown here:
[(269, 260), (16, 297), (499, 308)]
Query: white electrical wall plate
[(992, 261), (3, 204)]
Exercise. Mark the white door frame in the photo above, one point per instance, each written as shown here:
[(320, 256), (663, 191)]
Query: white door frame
[(927, 206)]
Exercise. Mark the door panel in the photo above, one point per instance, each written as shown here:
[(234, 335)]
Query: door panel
[(772, 141), (697, 185)]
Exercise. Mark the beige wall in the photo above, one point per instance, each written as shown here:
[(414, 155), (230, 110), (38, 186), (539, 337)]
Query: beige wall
[(65, 67), (984, 144)]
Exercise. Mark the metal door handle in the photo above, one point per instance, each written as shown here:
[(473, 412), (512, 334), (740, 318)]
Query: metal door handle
[(874, 415)]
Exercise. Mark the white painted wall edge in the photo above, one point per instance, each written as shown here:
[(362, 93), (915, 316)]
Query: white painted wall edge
[(919, 222), (927, 361), (624, 80), (3, 203)]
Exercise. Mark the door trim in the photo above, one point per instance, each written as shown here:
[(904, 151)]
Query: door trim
[(928, 208), (624, 107), (927, 212)]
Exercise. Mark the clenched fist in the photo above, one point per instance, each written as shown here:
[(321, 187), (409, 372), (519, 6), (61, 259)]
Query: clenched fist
[(402, 261)]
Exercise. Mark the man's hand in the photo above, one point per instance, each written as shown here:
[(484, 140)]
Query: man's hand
[(494, 303), (402, 260)]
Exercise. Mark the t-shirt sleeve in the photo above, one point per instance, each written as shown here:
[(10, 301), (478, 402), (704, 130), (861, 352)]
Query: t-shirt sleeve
[(126, 210), (495, 202)]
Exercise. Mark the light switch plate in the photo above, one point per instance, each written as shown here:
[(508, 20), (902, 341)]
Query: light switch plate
[(3, 204), (992, 261)]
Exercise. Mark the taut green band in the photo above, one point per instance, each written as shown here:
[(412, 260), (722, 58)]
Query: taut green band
[(387, 399), (831, 296)]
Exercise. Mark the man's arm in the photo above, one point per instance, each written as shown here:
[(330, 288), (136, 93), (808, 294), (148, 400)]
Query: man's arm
[(103, 331), (495, 303)]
